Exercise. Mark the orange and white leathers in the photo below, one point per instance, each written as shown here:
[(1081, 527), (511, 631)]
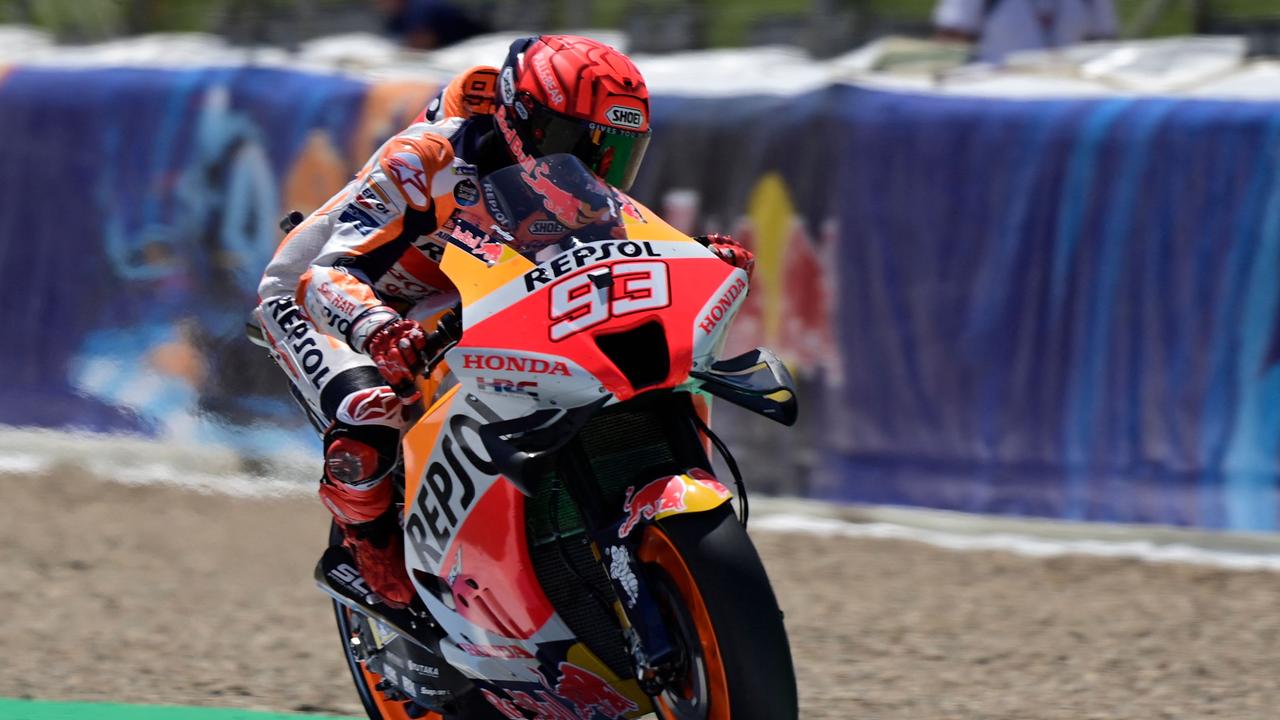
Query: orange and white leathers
[(374, 245)]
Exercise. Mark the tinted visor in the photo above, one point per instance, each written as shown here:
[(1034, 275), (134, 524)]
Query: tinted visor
[(612, 154)]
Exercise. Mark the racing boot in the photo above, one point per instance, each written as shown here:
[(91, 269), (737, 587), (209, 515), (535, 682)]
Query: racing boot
[(378, 547), (359, 496)]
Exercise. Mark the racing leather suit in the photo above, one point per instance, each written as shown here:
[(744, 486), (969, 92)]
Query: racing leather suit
[(365, 257)]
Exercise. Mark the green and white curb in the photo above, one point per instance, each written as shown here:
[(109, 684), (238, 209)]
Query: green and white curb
[(48, 710)]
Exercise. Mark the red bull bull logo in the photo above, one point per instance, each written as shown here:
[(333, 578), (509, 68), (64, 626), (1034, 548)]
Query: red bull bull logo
[(590, 696), (657, 497)]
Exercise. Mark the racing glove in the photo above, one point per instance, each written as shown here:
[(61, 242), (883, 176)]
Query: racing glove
[(399, 349), (730, 251), (402, 350)]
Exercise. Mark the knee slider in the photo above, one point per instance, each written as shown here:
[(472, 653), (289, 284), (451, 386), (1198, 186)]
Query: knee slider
[(359, 460)]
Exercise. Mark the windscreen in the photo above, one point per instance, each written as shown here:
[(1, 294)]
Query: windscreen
[(544, 202)]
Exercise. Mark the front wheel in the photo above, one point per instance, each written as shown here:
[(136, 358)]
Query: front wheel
[(713, 591)]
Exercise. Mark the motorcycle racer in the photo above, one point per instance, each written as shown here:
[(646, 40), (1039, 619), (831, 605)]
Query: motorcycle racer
[(334, 297)]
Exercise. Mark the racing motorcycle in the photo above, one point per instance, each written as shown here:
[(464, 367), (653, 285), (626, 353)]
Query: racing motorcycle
[(574, 556)]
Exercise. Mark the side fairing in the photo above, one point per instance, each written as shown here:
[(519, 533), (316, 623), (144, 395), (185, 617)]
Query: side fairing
[(465, 548), (466, 552)]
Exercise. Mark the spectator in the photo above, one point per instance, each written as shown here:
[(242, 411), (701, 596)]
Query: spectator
[(999, 27), (429, 24)]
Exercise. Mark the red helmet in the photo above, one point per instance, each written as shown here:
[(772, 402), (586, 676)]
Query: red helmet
[(569, 94)]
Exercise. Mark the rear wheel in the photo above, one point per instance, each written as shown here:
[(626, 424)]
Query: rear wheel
[(712, 588), (376, 704)]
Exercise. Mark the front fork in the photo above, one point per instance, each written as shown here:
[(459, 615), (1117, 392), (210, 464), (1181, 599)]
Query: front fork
[(656, 657), (653, 654)]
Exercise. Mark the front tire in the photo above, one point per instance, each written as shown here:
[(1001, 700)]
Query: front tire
[(709, 580)]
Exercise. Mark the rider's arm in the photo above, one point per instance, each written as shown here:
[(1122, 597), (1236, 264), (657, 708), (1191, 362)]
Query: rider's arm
[(370, 234)]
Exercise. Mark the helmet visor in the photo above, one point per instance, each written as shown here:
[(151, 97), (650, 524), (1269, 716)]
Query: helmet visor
[(612, 154)]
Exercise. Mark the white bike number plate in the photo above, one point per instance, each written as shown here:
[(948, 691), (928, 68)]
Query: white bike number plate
[(577, 304)]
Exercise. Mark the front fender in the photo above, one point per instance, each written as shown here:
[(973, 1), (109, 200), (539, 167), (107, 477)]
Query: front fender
[(694, 490)]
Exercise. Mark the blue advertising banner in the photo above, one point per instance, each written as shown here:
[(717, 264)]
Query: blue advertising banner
[(1060, 308), (140, 209)]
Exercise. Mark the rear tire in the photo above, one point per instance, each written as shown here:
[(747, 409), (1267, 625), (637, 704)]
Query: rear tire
[(376, 705), (706, 572)]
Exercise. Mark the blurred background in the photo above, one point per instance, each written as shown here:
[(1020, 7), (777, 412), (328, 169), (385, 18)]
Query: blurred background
[(1021, 255), (823, 27), (1020, 252)]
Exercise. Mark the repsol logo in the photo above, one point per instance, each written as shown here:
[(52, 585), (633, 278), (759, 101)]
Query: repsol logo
[(625, 117), (579, 257), (297, 335), (722, 306), (494, 206), (448, 485)]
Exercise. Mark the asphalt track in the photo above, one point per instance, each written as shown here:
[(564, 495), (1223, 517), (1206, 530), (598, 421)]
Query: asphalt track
[(160, 595)]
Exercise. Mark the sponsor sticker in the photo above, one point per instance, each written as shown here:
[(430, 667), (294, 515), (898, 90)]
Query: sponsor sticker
[(297, 332), (370, 200), (406, 169), (620, 570), (546, 227), (548, 78), (659, 496), (360, 220), (371, 406), (722, 307), (507, 83), (494, 206), (449, 485), (578, 693), (579, 257), (475, 241), (625, 117), (507, 386), (466, 193), (514, 363), (510, 652)]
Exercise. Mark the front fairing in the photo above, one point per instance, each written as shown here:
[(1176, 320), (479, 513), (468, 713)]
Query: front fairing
[(620, 305)]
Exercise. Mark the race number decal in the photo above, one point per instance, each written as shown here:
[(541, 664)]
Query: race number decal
[(577, 303)]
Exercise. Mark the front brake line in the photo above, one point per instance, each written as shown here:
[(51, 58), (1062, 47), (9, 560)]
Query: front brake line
[(728, 460)]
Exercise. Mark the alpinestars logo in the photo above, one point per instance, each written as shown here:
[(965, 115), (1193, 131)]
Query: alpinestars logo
[(371, 406), (625, 117)]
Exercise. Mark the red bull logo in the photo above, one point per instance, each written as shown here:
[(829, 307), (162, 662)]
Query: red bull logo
[(476, 242), (590, 696), (657, 497)]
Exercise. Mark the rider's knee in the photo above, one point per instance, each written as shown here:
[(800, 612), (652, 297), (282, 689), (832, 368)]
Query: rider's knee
[(360, 456)]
